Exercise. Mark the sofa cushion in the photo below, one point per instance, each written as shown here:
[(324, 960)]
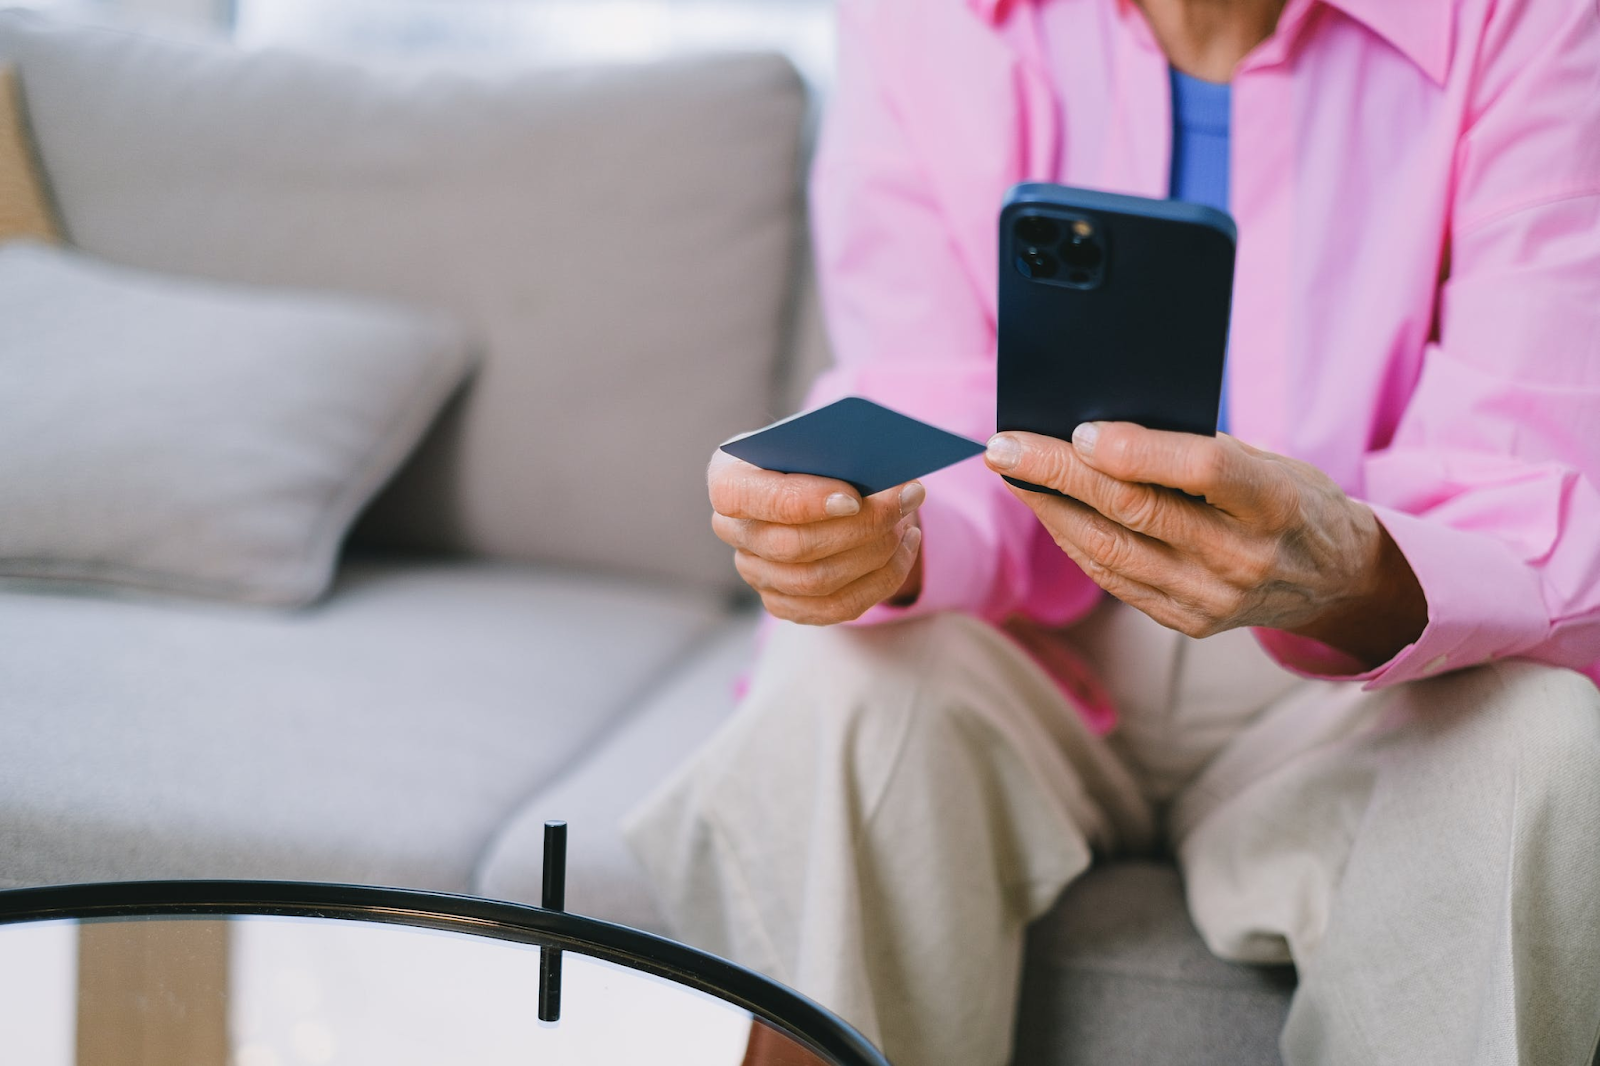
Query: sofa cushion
[(620, 239), (1116, 975), (192, 437), (638, 754), (379, 737)]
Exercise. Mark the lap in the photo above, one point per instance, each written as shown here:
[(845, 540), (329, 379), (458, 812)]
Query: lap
[(894, 703), (1271, 834), (1269, 799), (1424, 853)]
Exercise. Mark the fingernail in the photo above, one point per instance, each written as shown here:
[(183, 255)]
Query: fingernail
[(911, 497), (1084, 436), (1003, 451), (913, 539), (842, 505)]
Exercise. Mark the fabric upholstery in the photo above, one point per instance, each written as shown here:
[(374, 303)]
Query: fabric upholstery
[(380, 737), (1117, 976), (198, 438), (603, 880), (24, 210), (621, 239)]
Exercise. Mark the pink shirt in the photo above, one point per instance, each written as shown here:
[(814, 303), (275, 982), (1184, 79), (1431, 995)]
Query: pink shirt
[(1417, 302)]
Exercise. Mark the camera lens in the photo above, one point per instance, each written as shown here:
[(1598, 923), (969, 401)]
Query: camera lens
[(1082, 253), (1036, 229), (1033, 263)]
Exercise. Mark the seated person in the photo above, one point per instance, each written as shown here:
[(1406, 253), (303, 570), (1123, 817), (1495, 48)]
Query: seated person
[(1346, 681)]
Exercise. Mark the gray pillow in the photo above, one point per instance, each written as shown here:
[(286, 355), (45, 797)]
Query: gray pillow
[(621, 238), (194, 437)]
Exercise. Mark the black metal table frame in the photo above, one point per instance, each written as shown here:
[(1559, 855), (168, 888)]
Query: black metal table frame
[(783, 1008)]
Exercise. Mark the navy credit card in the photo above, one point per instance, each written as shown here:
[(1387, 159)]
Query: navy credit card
[(863, 444)]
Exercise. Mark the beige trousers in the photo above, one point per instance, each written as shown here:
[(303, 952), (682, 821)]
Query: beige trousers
[(892, 805)]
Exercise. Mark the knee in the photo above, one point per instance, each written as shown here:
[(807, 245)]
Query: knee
[(1541, 721), (841, 672), (841, 701), (1562, 708)]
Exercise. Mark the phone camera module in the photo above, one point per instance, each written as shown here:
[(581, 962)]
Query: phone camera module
[(1035, 263), (1082, 253), (1037, 230), (1059, 250)]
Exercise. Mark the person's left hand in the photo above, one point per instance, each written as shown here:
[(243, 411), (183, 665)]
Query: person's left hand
[(1270, 542)]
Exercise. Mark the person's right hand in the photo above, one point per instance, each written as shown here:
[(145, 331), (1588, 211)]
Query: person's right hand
[(815, 551)]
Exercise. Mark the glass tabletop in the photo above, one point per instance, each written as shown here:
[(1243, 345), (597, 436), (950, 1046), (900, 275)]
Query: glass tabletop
[(286, 975)]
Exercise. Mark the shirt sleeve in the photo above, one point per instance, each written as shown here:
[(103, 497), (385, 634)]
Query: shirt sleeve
[(910, 329), (1491, 485)]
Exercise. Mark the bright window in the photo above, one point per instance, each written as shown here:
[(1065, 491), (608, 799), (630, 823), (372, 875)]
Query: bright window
[(560, 32)]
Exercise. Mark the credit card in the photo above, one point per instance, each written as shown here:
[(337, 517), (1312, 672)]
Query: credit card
[(853, 440)]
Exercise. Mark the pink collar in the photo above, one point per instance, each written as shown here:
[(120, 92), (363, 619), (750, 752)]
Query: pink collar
[(1420, 29)]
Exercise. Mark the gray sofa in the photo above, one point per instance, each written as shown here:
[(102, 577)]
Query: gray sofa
[(533, 620)]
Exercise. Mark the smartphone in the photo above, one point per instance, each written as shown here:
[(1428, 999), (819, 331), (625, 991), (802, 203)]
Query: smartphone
[(1112, 308)]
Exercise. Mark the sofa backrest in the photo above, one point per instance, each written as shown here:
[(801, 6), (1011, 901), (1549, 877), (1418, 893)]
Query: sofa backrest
[(621, 241)]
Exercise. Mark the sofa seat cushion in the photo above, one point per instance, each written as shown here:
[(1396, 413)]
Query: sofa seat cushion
[(380, 737), (1116, 975), (639, 754)]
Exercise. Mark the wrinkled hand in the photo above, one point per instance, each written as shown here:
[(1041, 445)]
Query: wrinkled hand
[(812, 547), (1271, 541)]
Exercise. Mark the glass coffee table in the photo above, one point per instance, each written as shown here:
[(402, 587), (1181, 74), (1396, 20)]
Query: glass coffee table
[(233, 973)]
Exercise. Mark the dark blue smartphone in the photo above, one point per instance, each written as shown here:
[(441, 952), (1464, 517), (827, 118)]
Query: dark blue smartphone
[(1112, 308)]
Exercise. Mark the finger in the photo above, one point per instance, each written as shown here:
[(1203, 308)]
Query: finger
[(783, 542), (1174, 590), (1154, 510), (1248, 449), (1118, 583), (824, 577), (1219, 469), (855, 599), (741, 490), (1097, 543), (1148, 509), (1033, 458)]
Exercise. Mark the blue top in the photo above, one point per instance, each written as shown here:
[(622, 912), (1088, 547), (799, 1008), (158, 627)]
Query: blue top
[(1200, 115)]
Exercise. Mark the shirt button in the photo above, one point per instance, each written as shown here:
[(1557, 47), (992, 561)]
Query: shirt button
[(1438, 664)]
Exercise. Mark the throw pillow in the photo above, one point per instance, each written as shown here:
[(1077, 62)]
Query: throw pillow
[(194, 437), (23, 210)]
